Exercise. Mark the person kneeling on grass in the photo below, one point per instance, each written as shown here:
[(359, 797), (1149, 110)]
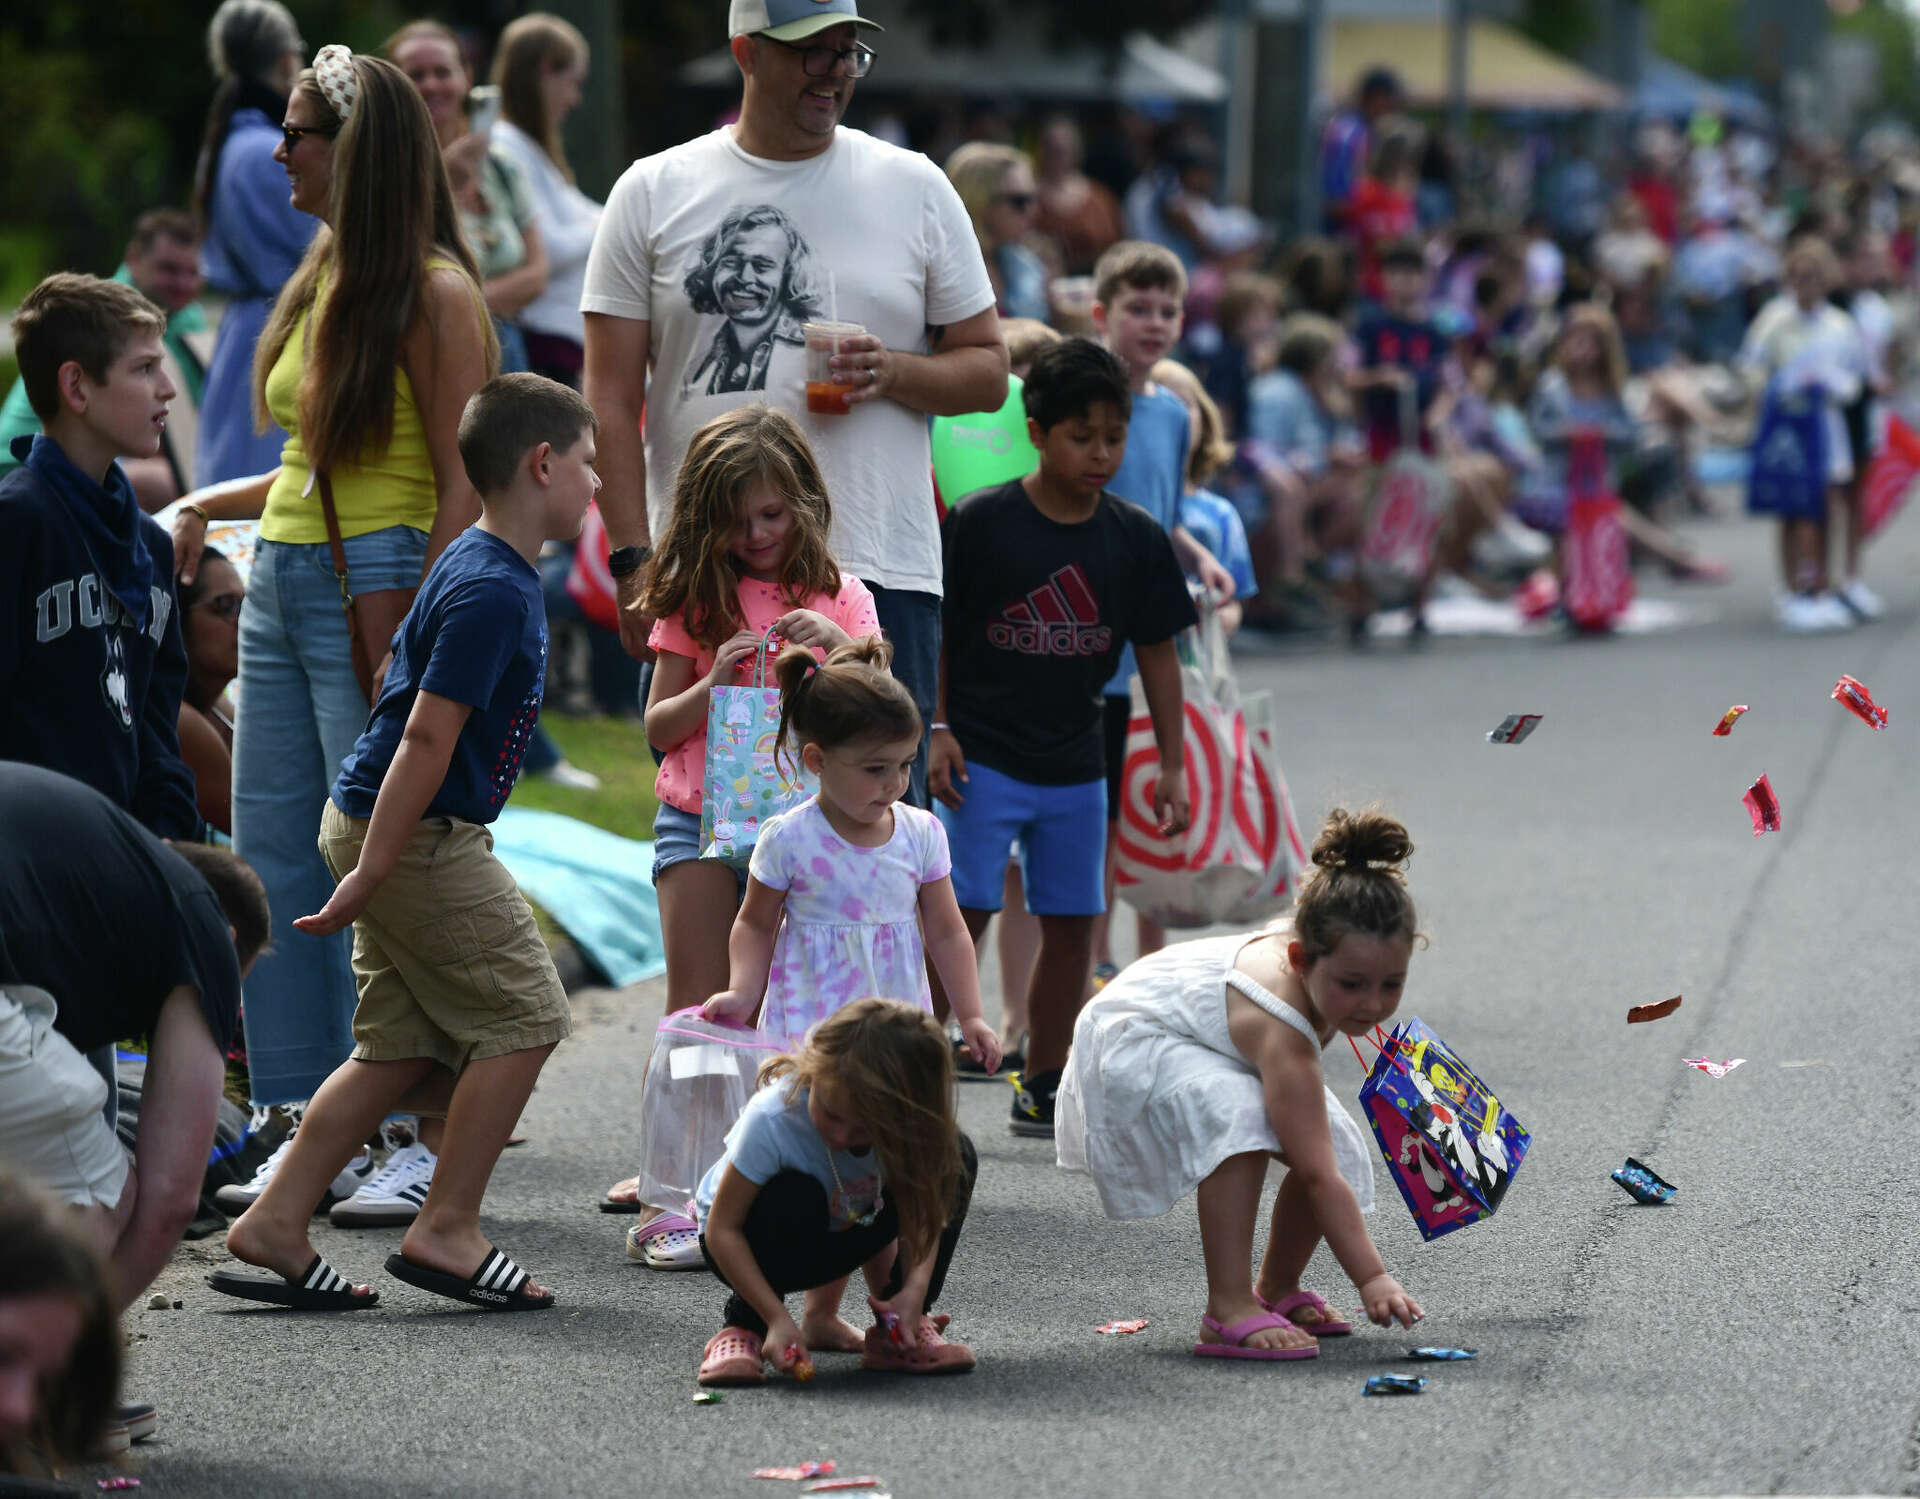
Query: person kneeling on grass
[(849, 1157), (453, 975)]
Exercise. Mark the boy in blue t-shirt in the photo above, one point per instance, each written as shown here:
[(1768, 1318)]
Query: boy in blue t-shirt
[(459, 1001), (1139, 297)]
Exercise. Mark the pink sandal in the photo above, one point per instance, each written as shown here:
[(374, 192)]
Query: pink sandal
[(732, 1357), (1234, 1344), (1329, 1325)]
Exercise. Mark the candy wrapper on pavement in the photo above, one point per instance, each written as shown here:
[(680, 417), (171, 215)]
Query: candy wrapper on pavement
[(1643, 1184), (1449, 1145)]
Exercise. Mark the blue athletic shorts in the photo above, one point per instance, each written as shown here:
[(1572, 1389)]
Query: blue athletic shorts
[(1062, 834)]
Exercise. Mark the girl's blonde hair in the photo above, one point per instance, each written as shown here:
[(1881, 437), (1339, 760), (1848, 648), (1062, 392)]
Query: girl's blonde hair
[(530, 47), (976, 171), (693, 573), (390, 211), (1596, 320), (1358, 884), (1212, 452), (892, 1063), (852, 699)]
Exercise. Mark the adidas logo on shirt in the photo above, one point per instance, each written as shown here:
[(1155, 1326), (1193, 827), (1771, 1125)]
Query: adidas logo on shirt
[(1059, 618)]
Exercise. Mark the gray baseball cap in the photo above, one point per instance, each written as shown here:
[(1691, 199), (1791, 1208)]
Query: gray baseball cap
[(792, 20)]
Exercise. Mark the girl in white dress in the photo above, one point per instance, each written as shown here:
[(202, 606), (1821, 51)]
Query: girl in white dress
[(1199, 1064)]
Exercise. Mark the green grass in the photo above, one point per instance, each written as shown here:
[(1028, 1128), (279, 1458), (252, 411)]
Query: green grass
[(614, 749)]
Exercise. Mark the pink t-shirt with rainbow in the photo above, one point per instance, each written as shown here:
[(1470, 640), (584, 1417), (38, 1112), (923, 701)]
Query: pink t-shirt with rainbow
[(684, 768)]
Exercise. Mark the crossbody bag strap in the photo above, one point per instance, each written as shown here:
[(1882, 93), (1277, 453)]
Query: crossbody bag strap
[(334, 543)]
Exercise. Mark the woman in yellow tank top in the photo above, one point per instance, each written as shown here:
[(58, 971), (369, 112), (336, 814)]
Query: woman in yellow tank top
[(368, 360)]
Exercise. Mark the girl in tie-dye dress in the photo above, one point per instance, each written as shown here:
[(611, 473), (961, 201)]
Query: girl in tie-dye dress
[(858, 875)]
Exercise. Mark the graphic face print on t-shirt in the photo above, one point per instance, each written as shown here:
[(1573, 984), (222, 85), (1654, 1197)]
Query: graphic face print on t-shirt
[(756, 274)]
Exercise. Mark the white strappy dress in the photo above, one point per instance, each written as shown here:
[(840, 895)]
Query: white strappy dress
[(1156, 1095)]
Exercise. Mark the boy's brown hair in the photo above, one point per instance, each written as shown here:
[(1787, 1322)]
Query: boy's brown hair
[(163, 223), (1025, 338), (1136, 265), (511, 414), (82, 319)]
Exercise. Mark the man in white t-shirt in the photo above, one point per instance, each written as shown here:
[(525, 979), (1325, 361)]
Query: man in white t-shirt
[(712, 255)]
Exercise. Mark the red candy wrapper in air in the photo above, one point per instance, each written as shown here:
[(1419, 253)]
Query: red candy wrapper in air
[(1855, 698), (1713, 1069), (1514, 728), (804, 1470), (1725, 726), (1642, 1013), (1130, 1324), (1763, 807)]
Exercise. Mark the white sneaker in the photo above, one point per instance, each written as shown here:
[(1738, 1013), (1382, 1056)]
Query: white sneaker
[(1510, 546), (1813, 614), (393, 1195), (1861, 600), (236, 1199), (566, 773)]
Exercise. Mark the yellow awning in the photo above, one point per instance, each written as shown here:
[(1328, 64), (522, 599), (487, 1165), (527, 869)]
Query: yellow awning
[(1504, 69)]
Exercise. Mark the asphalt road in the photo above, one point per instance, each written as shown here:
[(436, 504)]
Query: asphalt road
[(1758, 1335)]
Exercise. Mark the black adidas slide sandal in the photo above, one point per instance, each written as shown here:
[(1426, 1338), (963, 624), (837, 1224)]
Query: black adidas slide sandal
[(499, 1284), (319, 1288)]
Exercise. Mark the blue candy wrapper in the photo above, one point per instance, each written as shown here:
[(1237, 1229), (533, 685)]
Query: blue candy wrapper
[(1643, 1185), (1442, 1355), (1396, 1384)]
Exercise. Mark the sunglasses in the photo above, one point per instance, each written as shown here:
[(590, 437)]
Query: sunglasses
[(1018, 202), (224, 605), (819, 62), (293, 134)]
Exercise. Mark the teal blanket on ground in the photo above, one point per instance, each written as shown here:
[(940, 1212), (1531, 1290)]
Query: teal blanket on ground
[(597, 885)]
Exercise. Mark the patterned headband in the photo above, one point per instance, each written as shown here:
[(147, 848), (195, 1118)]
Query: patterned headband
[(333, 71)]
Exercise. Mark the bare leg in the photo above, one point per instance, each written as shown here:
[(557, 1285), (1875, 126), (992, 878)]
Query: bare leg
[(1058, 991), (1228, 1203), (1101, 949), (1151, 935), (1019, 939), (487, 1102), (1849, 498), (821, 1324), (1291, 1241), (349, 1107)]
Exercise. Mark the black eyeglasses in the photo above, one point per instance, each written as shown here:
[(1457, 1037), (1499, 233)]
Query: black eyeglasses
[(819, 62), (292, 134)]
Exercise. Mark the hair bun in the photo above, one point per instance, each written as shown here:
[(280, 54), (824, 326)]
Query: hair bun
[(1365, 840)]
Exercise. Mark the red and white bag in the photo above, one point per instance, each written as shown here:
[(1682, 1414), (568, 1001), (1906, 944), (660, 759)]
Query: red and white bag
[(1599, 572), (1237, 859), (590, 581)]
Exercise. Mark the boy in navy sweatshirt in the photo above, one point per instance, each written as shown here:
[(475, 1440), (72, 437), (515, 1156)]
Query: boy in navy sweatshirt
[(92, 662)]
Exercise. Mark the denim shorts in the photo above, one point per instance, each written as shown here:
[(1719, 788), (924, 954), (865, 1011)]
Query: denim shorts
[(1062, 836), (676, 839)]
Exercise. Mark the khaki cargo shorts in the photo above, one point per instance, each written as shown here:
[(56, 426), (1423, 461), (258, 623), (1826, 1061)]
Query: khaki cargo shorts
[(446, 957)]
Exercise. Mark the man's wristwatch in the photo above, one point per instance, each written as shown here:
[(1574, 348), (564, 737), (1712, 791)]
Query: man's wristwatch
[(624, 561)]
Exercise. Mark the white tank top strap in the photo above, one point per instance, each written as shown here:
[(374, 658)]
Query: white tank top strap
[(1272, 1003)]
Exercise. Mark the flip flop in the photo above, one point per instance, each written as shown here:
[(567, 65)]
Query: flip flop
[(1330, 1325), (1235, 1344), (498, 1285), (612, 1204), (318, 1288)]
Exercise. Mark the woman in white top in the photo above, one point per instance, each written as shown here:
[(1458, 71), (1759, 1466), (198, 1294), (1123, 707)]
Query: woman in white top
[(540, 68)]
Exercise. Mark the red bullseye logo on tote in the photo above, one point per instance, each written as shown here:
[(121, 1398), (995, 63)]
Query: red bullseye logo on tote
[(1139, 841)]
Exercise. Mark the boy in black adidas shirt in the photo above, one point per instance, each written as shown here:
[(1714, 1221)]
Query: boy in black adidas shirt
[(1047, 578)]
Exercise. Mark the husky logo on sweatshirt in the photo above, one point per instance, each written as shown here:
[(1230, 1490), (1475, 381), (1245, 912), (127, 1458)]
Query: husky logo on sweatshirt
[(113, 681)]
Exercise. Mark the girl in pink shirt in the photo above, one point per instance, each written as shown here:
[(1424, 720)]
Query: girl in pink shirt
[(745, 552)]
